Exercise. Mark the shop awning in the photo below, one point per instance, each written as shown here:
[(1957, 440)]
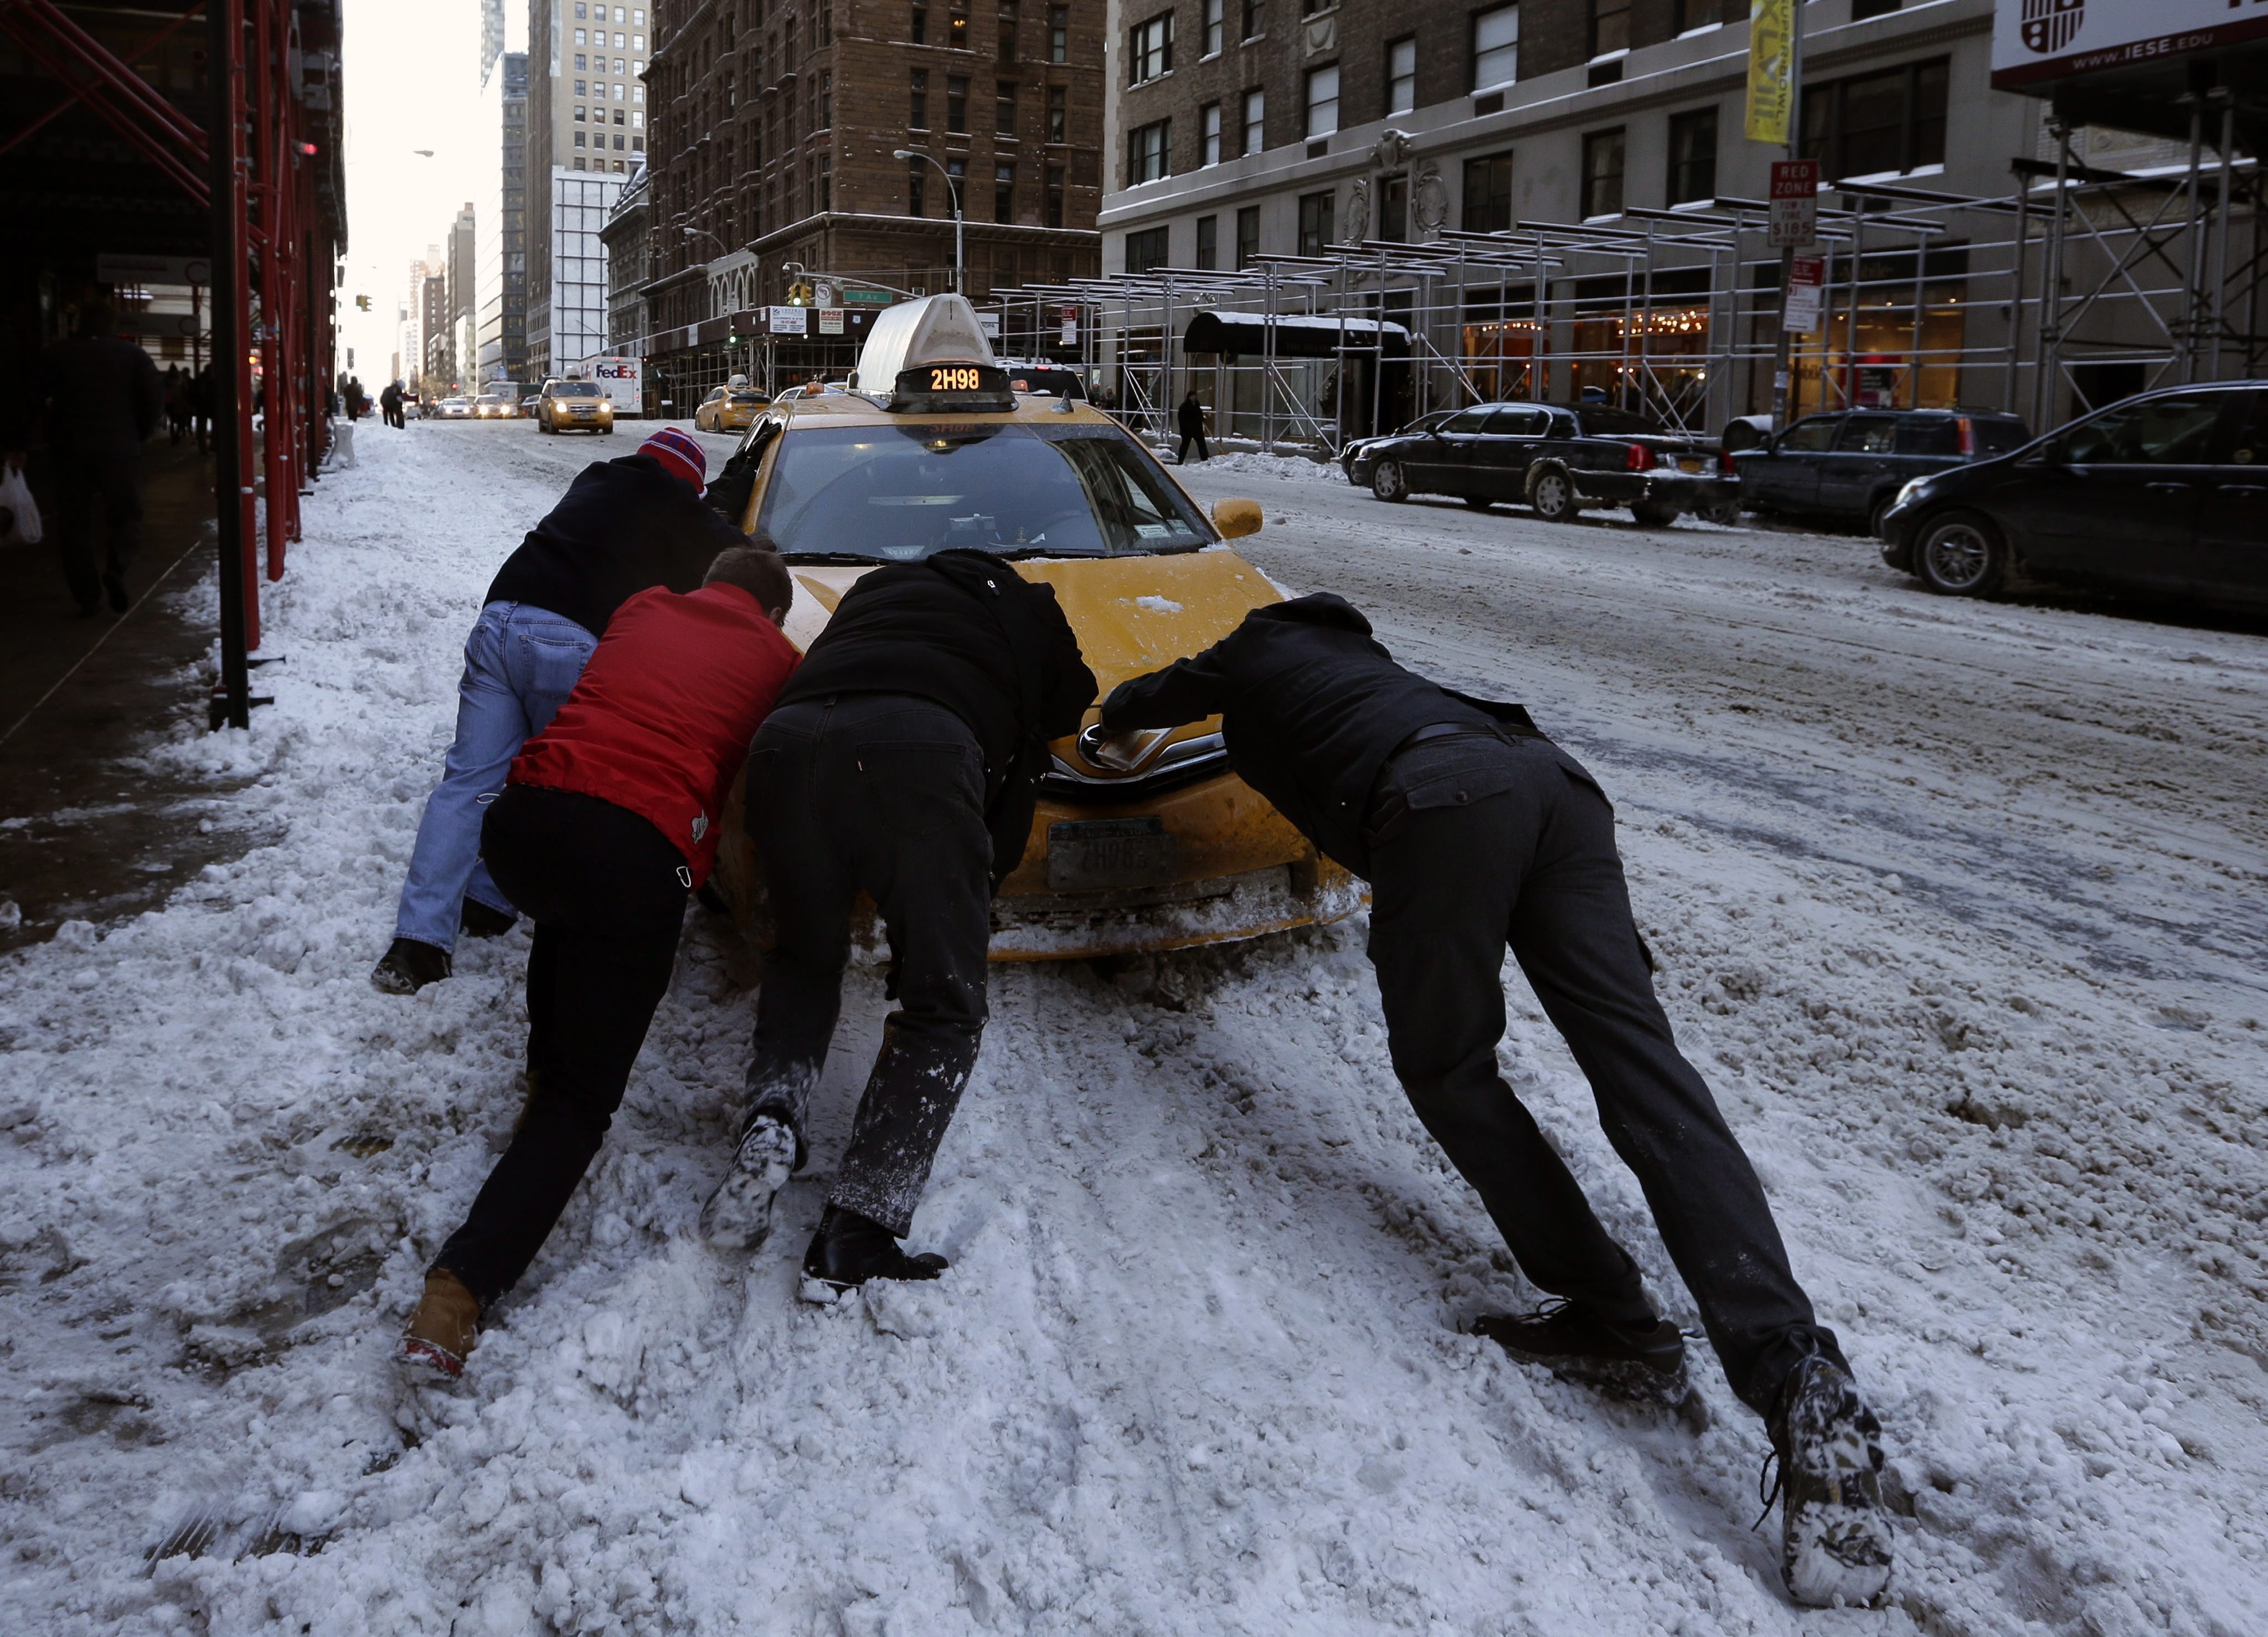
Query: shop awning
[(1297, 334)]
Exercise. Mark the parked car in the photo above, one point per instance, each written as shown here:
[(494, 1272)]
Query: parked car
[(1159, 848), (1356, 445), (2165, 494), (456, 410), (1847, 467), (582, 405), (729, 408), (1558, 458), (1043, 378)]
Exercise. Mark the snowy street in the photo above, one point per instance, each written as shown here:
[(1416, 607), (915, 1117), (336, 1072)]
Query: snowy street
[(1961, 908)]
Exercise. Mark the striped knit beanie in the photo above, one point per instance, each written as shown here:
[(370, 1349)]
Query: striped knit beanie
[(681, 456)]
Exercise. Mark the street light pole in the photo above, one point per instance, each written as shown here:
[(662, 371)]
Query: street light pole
[(952, 188)]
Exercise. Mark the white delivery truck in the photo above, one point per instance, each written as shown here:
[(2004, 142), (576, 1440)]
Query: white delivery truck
[(623, 379)]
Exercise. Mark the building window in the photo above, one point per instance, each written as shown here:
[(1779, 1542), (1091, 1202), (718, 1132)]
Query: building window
[(1256, 120), (1208, 243), (1247, 236), (1861, 10), (578, 112), (1150, 49), (580, 165), (579, 141), (1401, 76), (1255, 18), (1602, 173), (1688, 15), (1609, 26), (826, 99), (582, 36), (956, 24), (1322, 101), (1058, 113), (581, 64), (1692, 156), (1315, 216), (1209, 133), (1878, 123), (618, 116), (1145, 250), (1058, 34), (916, 185), (1148, 151), (826, 181), (1003, 193), (917, 118), (1004, 109), (1496, 47), (918, 31), (1488, 193), (1213, 27), (1055, 195), (1008, 34), (956, 104)]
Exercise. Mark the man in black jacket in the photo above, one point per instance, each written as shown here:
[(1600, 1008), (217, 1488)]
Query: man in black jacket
[(1475, 831), (899, 760), (104, 401), (623, 526)]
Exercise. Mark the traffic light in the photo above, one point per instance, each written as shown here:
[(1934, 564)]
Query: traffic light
[(798, 294), (362, 302)]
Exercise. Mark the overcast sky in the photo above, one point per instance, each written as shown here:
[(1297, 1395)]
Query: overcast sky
[(412, 80)]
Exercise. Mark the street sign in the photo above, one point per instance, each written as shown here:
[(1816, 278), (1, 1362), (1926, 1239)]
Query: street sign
[(823, 294), (830, 319), (867, 298), (787, 321), (110, 269), (1806, 290), (1068, 317), (1794, 203), (990, 323)]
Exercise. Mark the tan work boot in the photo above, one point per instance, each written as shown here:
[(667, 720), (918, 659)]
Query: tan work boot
[(442, 1332)]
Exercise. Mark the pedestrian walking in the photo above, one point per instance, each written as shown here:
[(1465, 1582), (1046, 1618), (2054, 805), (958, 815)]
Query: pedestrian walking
[(622, 527), (1475, 831), (898, 762), (103, 401), (389, 404), (1190, 419), (607, 823)]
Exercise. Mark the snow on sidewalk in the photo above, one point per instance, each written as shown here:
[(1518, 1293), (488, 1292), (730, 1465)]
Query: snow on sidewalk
[(1196, 1366)]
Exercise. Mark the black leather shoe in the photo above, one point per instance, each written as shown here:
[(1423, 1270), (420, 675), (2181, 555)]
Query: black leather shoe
[(850, 1249), (1642, 1362), (481, 921), (407, 966)]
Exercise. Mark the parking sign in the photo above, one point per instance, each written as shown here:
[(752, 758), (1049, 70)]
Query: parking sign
[(1794, 203)]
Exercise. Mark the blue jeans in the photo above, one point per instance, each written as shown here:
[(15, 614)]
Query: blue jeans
[(520, 665)]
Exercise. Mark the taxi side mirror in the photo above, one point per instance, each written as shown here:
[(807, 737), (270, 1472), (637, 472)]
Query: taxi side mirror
[(1236, 517)]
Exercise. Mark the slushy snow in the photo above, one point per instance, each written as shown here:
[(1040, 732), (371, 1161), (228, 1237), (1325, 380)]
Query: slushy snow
[(1959, 908)]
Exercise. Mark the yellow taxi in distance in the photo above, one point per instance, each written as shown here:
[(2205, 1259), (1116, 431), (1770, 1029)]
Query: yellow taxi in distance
[(581, 405), (731, 407), (1154, 847)]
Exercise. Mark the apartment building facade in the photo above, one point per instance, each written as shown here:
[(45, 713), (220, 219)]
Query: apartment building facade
[(775, 130), (1252, 127)]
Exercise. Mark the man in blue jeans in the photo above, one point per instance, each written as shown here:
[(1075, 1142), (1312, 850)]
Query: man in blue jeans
[(623, 526)]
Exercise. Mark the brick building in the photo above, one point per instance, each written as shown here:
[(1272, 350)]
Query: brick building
[(773, 128)]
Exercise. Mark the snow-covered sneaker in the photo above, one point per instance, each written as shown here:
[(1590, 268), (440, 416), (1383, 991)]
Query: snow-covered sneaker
[(1835, 1537), (850, 1249), (407, 966), (739, 1215), (442, 1332), (1646, 1363)]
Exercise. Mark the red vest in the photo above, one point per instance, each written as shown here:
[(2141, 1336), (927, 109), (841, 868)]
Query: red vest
[(660, 722)]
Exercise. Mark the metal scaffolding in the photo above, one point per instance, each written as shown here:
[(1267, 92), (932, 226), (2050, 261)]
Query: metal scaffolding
[(2077, 286)]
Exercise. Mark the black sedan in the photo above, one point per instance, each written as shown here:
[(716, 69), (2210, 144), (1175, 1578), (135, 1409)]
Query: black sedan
[(1847, 468), (1558, 458), (2164, 494)]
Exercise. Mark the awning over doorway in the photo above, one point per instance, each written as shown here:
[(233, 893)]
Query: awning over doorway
[(1297, 334)]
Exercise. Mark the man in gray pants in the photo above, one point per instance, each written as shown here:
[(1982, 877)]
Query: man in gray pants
[(1475, 831)]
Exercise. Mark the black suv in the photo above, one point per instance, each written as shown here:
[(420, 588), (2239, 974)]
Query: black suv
[(1559, 458), (1846, 467), (2165, 493)]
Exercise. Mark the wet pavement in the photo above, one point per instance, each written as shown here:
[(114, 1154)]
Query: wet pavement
[(93, 826)]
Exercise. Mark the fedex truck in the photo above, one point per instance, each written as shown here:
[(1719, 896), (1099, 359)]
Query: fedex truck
[(621, 379)]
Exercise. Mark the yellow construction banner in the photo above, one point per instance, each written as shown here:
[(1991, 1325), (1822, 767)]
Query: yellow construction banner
[(1771, 69)]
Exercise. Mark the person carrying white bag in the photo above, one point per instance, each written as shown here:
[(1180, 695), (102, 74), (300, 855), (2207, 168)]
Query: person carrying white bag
[(19, 513)]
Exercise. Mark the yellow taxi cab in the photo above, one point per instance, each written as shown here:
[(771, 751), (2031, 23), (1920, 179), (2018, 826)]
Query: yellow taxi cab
[(581, 405), (1141, 845), (731, 407)]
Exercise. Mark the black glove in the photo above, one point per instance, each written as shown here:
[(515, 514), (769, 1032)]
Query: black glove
[(729, 494)]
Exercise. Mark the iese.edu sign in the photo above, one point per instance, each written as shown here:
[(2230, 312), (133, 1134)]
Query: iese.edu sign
[(2042, 39)]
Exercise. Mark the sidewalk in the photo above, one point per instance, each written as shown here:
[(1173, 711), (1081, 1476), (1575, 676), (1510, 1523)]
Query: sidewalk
[(87, 832)]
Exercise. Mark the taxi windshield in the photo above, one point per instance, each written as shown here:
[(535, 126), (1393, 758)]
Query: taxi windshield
[(893, 494), (575, 389)]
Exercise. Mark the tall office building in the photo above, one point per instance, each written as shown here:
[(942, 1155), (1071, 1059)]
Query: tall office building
[(586, 135), (502, 317)]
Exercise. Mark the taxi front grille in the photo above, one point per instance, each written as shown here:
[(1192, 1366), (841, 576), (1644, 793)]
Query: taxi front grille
[(1188, 762)]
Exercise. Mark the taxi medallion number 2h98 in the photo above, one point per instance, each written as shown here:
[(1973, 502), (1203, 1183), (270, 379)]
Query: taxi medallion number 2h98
[(964, 378)]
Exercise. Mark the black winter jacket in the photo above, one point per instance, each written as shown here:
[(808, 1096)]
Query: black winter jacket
[(1312, 707), (964, 630), (104, 398), (622, 527)]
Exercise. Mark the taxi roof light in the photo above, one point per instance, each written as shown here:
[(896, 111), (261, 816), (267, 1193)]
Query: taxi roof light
[(936, 329)]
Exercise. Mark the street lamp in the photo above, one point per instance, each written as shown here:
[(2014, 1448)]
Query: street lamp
[(953, 188)]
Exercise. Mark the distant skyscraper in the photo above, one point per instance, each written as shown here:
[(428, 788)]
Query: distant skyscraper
[(503, 311), (492, 34), (586, 120)]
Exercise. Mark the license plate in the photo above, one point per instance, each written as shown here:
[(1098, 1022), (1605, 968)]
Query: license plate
[(1095, 855), (1686, 464)]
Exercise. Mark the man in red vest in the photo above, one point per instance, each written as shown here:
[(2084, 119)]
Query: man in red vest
[(609, 820)]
